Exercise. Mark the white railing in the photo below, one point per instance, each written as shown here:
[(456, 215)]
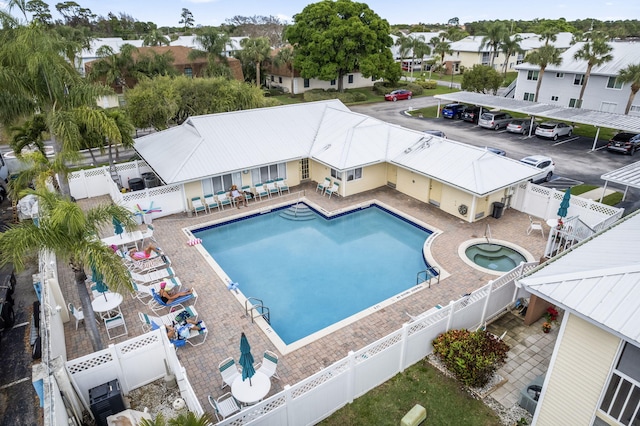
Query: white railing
[(318, 396)]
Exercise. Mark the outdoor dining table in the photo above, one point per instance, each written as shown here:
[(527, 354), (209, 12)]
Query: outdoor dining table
[(106, 304), (124, 239), (553, 222), (252, 393)]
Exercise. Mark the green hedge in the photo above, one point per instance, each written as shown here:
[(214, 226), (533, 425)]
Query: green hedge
[(322, 95)]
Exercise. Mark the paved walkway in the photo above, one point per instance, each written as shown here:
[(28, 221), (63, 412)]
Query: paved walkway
[(225, 317)]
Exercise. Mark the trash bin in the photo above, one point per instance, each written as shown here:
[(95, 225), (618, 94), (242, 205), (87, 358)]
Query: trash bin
[(498, 208)]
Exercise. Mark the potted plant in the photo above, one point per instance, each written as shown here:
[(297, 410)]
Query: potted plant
[(546, 327), (551, 315)]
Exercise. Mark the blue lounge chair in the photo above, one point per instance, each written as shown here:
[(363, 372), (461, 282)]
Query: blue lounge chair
[(156, 304)]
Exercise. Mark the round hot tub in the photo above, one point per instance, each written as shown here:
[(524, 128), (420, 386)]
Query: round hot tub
[(495, 256)]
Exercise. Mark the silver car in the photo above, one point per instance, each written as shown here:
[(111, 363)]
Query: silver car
[(519, 125), (494, 120), (553, 129)]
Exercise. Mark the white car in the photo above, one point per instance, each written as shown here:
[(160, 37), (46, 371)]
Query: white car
[(544, 163), (553, 129)]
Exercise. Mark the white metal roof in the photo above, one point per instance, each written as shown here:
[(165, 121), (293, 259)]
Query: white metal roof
[(598, 279), (327, 132), (628, 175), (577, 115)]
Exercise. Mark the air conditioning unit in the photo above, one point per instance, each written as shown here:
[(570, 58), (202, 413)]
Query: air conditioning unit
[(106, 400)]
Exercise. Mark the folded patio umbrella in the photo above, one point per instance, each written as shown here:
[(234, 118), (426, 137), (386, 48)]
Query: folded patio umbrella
[(117, 226), (246, 359), (96, 277), (564, 204)]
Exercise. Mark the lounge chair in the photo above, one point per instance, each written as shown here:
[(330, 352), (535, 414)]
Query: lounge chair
[(151, 277), (210, 202), (282, 186), (156, 304), (223, 199), (144, 266), (150, 322), (143, 292), (224, 406), (246, 190), (196, 202), (261, 191), (322, 186), (272, 188), (268, 365), (333, 190), (228, 371)]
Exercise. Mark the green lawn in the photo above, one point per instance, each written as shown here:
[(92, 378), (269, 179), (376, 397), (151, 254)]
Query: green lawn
[(446, 403)]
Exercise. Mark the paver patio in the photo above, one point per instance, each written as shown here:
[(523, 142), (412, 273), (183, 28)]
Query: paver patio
[(226, 319)]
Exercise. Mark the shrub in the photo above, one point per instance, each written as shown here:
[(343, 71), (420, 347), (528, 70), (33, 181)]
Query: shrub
[(426, 84), (472, 356), (415, 88), (382, 87), (321, 95)]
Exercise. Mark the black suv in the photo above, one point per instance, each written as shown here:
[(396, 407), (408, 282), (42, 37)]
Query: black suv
[(471, 114), (624, 142), (453, 110)]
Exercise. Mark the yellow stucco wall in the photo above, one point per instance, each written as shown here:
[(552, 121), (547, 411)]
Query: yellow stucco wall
[(372, 177), (578, 375), (452, 198), (413, 184), (192, 189)]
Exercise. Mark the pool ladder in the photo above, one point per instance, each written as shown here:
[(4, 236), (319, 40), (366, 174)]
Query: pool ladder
[(427, 275), (255, 308), (487, 233)]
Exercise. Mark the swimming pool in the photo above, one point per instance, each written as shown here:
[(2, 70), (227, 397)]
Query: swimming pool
[(312, 271)]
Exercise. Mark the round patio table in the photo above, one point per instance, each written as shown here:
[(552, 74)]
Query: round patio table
[(250, 394), (106, 303)]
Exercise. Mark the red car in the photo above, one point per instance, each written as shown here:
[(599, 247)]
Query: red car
[(398, 94)]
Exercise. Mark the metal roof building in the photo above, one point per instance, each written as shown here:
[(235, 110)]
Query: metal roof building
[(326, 132)]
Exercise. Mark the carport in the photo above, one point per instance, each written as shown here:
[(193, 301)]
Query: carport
[(629, 176), (598, 119)]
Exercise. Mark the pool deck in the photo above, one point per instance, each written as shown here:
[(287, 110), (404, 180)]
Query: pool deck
[(225, 317)]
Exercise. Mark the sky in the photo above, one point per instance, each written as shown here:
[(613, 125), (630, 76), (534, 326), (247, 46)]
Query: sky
[(215, 12)]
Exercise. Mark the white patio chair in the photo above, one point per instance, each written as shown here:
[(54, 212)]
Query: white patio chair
[(148, 234), (78, 315), (228, 371), (113, 323), (224, 406), (282, 186), (333, 190), (535, 226), (211, 202), (260, 191), (323, 185), (196, 202), (272, 188), (223, 199), (268, 365)]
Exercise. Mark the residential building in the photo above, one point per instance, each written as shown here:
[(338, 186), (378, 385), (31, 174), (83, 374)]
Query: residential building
[(88, 55), (561, 84), (594, 375), (230, 50)]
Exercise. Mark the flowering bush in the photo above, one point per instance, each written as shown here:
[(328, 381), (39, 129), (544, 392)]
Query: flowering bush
[(472, 356), (551, 315)]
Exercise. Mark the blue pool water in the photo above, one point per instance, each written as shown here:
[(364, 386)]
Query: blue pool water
[(314, 273)]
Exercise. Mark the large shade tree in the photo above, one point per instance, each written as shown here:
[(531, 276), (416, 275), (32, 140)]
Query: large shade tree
[(71, 233), (333, 38), (596, 52), (630, 74), (543, 57)]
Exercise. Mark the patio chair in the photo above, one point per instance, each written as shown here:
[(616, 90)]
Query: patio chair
[(148, 234), (323, 185), (333, 190), (144, 266), (151, 277), (143, 292), (224, 406), (268, 365), (113, 323), (196, 202), (282, 186), (534, 226), (248, 195), (156, 304), (211, 203), (223, 199), (272, 188), (228, 371), (78, 315), (260, 191), (150, 322)]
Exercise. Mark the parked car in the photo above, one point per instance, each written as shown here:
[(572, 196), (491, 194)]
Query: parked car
[(438, 133), (624, 142), (453, 110), (520, 125), (471, 114), (544, 163), (494, 120), (496, 151), (398, 95), (553, 130)]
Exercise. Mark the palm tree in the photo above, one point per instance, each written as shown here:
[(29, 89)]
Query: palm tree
[(510, 46), (285, 57), (71, 233), (155, 38), (213, 44), (596, 53), (419, 49), (496, 32), (29, 133), (256, 50), (113, 67), (189, 419), (454, 33), (441, 48), (404, 47), (543, 57), (630, 74)]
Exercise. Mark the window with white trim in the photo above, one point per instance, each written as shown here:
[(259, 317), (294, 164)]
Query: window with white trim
[(529, 96), (221, 183), (635, 108), (608, 107), (533, 75), (574, 103), (621, 399), (270, 172), (351, 174), (578, 80), (350, 79), (336, 174), (614, 83), (554, 98), (559, 75)]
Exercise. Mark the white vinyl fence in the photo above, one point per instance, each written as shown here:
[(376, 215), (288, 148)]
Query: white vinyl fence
[(318, 396)]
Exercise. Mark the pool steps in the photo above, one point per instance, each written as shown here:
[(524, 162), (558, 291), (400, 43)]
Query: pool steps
[(299, 212)]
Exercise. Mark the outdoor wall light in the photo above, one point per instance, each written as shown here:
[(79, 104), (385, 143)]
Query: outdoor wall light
[(54, 311)]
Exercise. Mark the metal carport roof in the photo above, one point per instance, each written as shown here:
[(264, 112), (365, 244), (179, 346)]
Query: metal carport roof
[(598, 119), (629, 176)]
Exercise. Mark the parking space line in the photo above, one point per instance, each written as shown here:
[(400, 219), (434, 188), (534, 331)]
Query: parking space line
[(566, 140), (597, 149), (14, 383)]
